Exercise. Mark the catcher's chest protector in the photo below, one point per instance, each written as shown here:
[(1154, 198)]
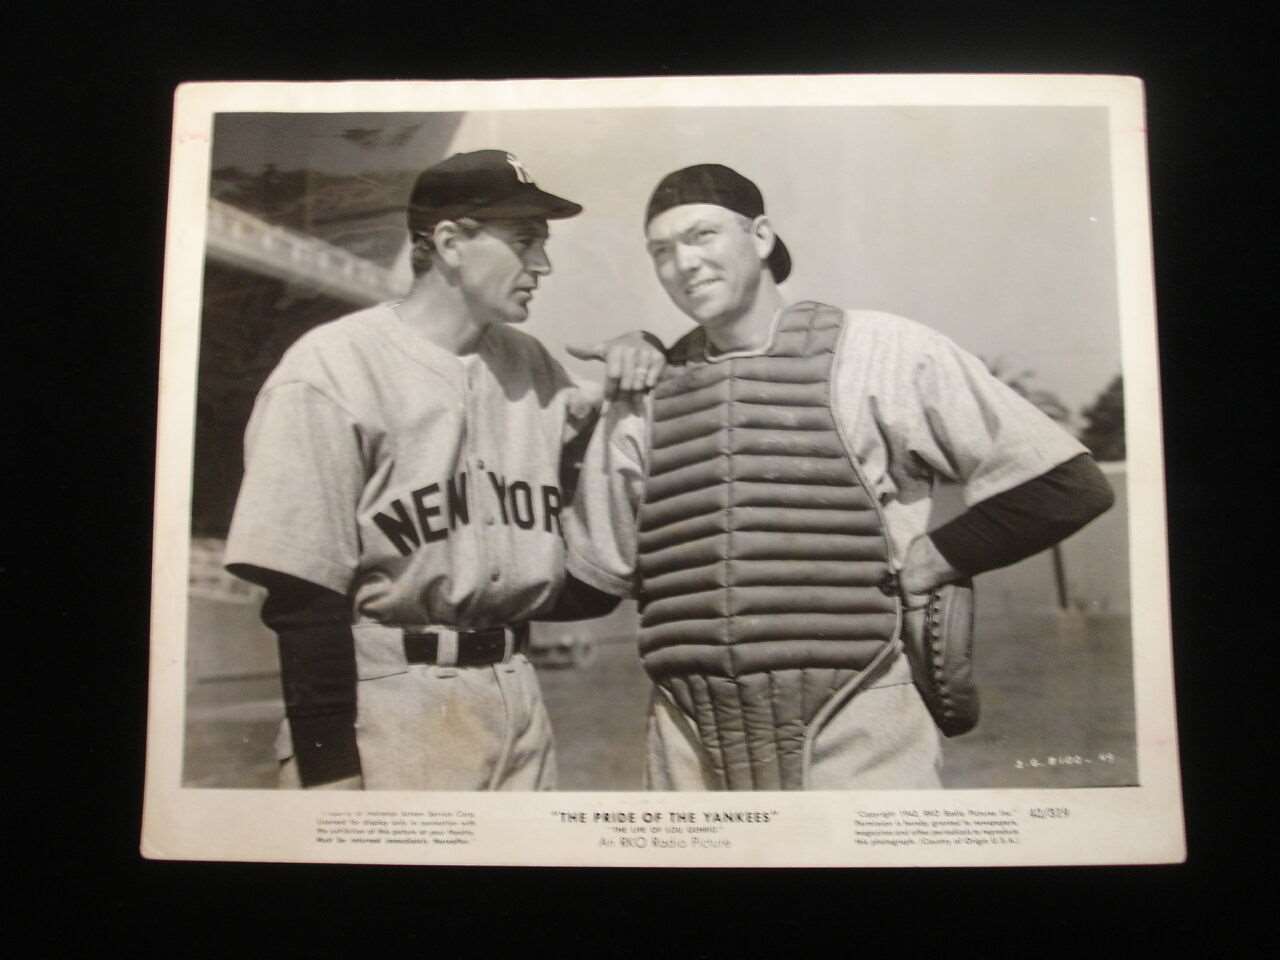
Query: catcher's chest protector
[(761, 552)]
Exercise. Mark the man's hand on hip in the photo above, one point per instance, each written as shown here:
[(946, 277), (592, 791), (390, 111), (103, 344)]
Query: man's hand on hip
[(923, 570)]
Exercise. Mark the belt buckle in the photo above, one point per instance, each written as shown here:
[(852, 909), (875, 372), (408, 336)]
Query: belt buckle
[(487, 647), (466, 648)]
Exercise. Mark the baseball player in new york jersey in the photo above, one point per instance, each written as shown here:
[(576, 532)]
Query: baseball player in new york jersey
[(402, 503), (769, 506)]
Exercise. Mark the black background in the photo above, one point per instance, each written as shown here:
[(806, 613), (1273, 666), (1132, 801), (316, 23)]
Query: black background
[(88, 171)]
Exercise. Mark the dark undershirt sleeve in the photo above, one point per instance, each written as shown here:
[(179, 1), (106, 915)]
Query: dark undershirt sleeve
[(579, 601), (317, 675), (1026, 519)]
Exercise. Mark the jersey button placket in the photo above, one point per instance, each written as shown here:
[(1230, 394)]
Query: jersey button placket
[(475, 391)]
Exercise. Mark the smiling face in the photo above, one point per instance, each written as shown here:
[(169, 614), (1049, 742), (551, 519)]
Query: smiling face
[(498, 268), (709, 260)]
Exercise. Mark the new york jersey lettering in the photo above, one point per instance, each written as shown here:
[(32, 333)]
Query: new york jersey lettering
[(433, 512)]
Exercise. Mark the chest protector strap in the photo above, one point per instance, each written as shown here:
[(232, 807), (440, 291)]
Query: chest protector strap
[(761, 551)]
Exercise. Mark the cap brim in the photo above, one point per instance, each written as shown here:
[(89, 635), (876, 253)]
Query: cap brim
[(529, 203), (779, 260)]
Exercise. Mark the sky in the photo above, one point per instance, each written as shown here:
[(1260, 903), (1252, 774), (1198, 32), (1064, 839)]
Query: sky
[(991, 224)]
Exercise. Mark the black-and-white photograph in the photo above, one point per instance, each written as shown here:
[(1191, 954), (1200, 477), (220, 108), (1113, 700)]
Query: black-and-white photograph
[(661, 449)]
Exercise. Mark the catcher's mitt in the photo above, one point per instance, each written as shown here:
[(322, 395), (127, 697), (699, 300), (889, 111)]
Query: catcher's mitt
[(942, 658)]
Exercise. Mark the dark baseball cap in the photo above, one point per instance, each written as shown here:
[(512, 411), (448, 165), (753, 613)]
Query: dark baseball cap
[(716, 183), (482, 183)]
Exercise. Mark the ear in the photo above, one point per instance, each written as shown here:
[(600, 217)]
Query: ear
[(421, 250), (447, 235), (762, 236)]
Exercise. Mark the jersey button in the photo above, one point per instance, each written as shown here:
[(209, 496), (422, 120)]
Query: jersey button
[(495, 576), (480, 464), (488, 521)]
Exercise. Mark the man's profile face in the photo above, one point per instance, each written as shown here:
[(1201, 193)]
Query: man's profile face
[(708, 259), (499, 266)]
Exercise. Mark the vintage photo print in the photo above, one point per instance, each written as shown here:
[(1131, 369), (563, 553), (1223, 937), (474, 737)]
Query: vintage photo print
[(707, 471)]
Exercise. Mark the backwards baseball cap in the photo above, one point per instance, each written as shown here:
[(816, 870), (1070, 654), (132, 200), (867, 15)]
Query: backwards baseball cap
[(716, 183), (483, 183)]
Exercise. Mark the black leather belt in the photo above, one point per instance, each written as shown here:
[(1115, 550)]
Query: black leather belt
[(475, 648)]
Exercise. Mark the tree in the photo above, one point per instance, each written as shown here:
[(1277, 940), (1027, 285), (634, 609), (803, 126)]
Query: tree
[(1046, 401), (1103, 432)]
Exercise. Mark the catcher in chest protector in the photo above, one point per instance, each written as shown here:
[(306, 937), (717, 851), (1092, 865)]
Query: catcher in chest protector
[(768, 505)]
